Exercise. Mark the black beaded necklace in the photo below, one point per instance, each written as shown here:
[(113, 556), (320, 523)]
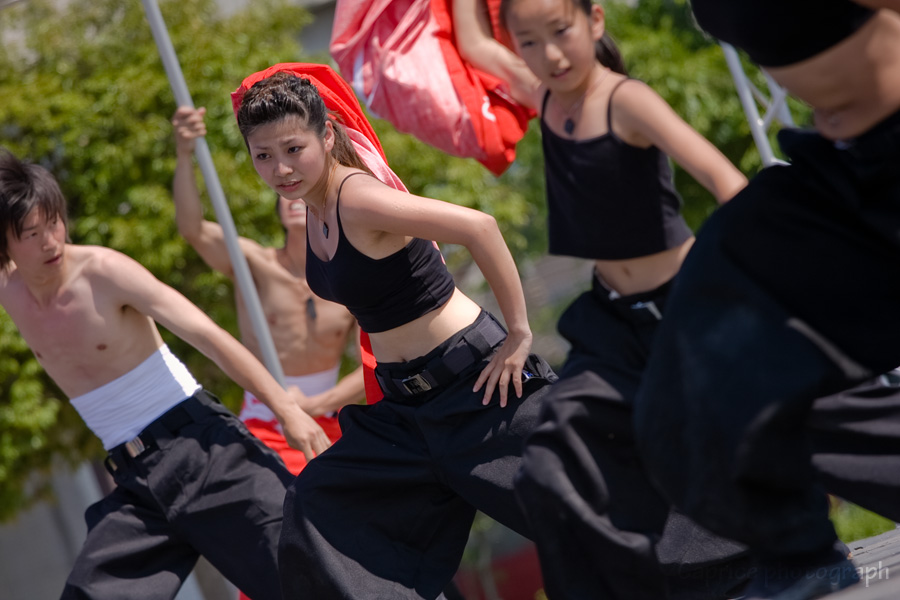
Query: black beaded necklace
[(569, 124), (325, 229)]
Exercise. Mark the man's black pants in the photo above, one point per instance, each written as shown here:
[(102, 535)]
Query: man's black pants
[(596, 516), (790, 294), (204, 486)]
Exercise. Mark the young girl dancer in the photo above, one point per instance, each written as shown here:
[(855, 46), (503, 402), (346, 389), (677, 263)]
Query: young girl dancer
[(606, 140), (387, 513)]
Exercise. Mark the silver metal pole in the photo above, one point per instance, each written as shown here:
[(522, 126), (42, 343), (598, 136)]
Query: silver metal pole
[(745, 94), (242, 275), (779, 99)]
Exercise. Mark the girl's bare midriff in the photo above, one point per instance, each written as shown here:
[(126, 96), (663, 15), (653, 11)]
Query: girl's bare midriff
[(642, 274), (854, 84), (420, 336)]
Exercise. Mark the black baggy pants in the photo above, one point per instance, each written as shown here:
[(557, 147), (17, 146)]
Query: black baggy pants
[(595, 515), (791, 293), (385, 513), (204, 486)]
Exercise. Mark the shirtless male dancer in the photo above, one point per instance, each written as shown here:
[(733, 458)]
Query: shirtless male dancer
[(310, 334), (183, 464)]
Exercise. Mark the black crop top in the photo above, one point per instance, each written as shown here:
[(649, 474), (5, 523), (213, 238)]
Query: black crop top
[(776, 33), (608, 200), (382, 293)]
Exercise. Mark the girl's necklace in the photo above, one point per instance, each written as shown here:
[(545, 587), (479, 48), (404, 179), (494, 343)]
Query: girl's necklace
[(295, 271), (569, 124), (325, 229)]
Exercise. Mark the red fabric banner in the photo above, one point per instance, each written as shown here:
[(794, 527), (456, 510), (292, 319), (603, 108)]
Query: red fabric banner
[(402, 60)]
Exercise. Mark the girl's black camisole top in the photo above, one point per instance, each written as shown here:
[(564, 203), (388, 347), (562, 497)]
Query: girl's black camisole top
[(776, 33), (608, 200), (382, 293)]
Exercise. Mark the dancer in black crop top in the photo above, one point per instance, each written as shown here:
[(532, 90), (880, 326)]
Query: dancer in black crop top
[(607, 199), (460, 394), (787, 296), (381, 293), (607, 140)]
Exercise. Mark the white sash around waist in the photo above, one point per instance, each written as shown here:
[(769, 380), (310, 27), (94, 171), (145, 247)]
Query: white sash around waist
[(312, 384), (119, 410)]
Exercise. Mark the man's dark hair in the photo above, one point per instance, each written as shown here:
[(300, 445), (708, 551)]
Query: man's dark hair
[(25, 187)]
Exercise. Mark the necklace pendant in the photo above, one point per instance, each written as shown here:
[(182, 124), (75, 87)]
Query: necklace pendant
[(569, 126), (325, 228)]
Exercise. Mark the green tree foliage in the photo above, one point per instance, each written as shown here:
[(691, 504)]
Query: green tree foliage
[(85, 94)]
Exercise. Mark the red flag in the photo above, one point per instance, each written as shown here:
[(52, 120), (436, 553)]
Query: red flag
[(402, 58)]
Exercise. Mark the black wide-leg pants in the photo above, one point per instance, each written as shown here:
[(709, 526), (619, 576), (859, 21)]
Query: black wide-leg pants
[(203, 486), (790, 294), (595, 515), (385, 513)]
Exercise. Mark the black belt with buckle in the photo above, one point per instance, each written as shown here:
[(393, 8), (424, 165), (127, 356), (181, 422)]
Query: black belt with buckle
[(640, 307), (475, 344), (172, 420)]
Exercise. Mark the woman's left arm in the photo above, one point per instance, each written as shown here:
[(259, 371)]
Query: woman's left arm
[(380, 208), (643, 118), (491, 254)]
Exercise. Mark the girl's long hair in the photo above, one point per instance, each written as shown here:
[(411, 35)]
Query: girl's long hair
[(285, 94)]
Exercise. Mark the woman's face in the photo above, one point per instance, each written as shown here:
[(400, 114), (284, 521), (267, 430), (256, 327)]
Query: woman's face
[(556, 39), (289, 156)]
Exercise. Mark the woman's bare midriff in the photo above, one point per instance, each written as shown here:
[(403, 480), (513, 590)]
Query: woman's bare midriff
[(417, 338), (853, 85), (642, 274)]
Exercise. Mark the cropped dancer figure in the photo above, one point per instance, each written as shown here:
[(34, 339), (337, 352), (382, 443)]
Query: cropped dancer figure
[(787, 296), (183, 464), (386, 512)]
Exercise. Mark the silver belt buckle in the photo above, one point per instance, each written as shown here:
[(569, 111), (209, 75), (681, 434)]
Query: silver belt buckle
[(416, 384), (135, 447), (649, 307), (110, 463)]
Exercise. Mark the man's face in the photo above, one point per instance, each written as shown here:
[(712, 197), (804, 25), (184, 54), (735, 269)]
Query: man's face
[(292, 214), (41, 244)]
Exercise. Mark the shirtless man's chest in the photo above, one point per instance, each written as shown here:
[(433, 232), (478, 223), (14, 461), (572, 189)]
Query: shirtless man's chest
[(80, 338), (310, 334)]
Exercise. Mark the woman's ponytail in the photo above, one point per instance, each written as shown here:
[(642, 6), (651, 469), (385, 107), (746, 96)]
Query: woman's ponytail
[(343, 150), (608, 54)]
